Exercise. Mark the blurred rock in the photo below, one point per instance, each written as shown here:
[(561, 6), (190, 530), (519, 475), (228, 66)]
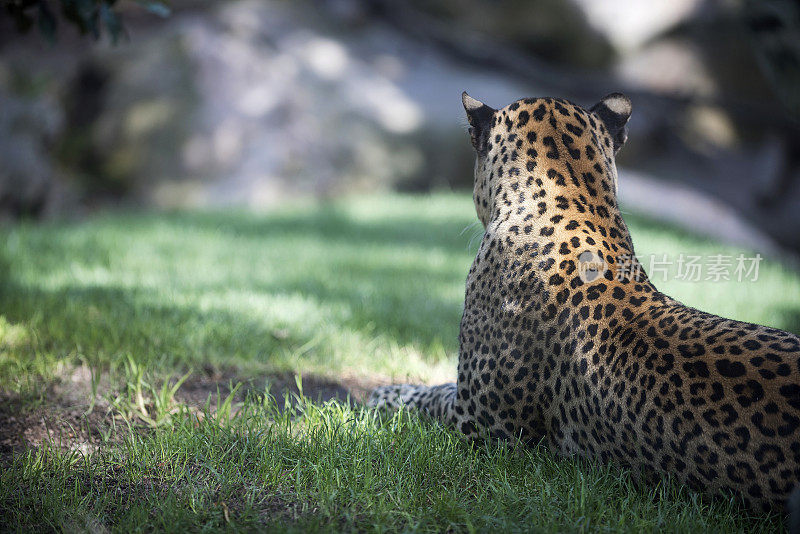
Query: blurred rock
[(687, 207), (558, 31)]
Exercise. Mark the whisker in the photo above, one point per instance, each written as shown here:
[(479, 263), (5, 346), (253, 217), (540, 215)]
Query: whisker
[(467, 227), (479, 233)]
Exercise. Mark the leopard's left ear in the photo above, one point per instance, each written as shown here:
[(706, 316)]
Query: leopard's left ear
[(615, 110), (480, 117)]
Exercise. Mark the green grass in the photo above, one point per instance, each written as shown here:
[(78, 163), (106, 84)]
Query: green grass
[(339, 468), (354, 289)]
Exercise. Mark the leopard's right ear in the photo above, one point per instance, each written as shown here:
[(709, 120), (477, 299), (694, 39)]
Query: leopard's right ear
[(615, 110), (480, 117)]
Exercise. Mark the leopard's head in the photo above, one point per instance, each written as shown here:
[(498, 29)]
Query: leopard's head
[(547, 148)]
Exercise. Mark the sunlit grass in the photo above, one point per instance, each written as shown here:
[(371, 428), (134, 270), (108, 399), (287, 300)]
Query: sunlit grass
[(363, 287)]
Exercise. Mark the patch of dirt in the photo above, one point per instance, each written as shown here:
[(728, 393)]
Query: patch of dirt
[(62, 416), (280, 507), (215, 385), (58, 423)]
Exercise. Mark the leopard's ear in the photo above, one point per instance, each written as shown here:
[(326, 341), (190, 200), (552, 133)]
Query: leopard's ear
[(615, 110), (480, 117)]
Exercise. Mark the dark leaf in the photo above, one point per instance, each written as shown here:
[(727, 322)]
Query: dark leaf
[(112, 22), (88, 16), (47, 22)]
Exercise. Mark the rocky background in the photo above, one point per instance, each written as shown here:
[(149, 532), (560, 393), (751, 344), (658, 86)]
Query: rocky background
[(248, 102)]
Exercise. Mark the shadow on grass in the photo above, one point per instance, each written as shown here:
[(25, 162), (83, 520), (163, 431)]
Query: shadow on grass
[(331, 222), (399, 294), (102, 325)]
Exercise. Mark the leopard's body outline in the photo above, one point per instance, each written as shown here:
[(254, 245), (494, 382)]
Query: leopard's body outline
[(608, 368)]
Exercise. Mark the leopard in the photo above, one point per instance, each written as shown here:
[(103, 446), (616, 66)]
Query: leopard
[(562, 348)]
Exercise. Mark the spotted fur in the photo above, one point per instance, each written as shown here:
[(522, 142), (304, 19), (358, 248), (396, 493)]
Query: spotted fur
[(610, 368)]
